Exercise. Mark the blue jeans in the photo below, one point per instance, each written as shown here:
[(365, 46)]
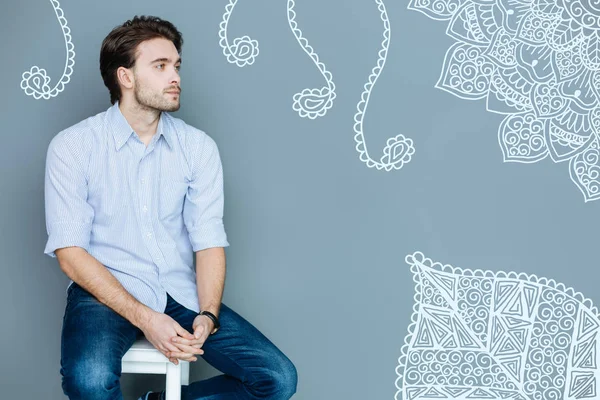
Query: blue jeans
[(95, 338)]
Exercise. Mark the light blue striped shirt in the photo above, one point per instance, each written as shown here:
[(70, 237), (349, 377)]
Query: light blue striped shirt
[(140, 211)]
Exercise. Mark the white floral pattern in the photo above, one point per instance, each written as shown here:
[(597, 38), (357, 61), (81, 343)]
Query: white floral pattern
[(311, 103), (538, 63), (399, 149), (36, 81), (485, 335), (243, 50)]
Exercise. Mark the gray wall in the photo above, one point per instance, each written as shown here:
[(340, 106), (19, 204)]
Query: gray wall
[(318, 239)]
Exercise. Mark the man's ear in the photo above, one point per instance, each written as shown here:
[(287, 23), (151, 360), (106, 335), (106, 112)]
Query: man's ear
[(125, 77)]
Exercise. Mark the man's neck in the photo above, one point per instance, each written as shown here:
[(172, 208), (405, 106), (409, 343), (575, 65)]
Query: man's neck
[(144, 121)]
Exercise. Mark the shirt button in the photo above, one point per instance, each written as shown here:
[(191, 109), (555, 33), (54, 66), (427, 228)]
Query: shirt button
[(149, 234), (145, 208), (143, 180)]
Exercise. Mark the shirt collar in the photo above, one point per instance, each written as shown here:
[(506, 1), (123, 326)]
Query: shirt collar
[(122, 130)]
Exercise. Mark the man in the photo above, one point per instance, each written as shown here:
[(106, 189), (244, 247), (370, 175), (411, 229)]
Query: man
[(130, 194)]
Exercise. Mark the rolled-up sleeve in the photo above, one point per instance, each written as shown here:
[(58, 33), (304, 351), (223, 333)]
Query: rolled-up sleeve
[(204, 200), (69, 217)]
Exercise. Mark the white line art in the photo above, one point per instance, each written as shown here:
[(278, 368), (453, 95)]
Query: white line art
[(311, 103), (538, 63), (244, 50), (496, 335), (398, 150), (36, 81)]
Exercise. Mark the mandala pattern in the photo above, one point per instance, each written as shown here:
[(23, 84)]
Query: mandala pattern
[(399, 149), (485, 335), (36, 81), (311, 103), (538, 63), (243, 51)]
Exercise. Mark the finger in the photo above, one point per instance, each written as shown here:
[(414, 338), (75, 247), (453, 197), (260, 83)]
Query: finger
[(171, 359), (198, 332), (189, 349), (180, 354), (171, 347), (183, 356), (187, 342), (183, 333), (166, 352), (166, 349)]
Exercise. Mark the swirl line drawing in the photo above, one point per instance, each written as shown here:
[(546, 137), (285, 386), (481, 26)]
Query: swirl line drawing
[(536, 63), (480, 334), (399, 149), (243, 50), (311, 103), (36, 81)]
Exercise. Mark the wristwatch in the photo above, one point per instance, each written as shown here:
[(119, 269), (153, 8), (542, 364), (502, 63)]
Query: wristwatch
[(215, 320)]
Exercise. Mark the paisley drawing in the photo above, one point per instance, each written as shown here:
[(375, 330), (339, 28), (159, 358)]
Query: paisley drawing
[(36, 81), (399, 149), (311, 103), (243, 50), (496, 335), (537, 62)]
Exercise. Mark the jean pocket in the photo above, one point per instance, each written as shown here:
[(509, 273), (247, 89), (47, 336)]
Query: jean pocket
[(70, 293), (70, 288), (77, 294)]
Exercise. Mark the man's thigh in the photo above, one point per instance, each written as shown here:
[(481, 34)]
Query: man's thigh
[(238, 348), (93, 341)]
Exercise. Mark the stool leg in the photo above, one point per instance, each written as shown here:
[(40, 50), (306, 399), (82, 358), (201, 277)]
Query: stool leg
[(173, 386), (185, 372)]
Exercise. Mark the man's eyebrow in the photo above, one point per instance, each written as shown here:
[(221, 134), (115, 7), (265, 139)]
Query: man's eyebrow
[(163, 59)]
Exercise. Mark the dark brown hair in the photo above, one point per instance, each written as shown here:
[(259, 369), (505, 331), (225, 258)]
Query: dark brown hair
[(120, 46)]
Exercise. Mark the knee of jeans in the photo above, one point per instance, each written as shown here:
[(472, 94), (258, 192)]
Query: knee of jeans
[(90, 379), (288, 379), (276, 382)]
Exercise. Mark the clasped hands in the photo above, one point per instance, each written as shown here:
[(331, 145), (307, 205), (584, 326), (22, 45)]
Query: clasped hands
[(173, 340)]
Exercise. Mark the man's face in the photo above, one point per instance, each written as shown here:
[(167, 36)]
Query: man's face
[(156, 74)]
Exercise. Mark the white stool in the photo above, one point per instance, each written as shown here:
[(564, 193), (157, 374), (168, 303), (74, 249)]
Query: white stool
[(143, 358)]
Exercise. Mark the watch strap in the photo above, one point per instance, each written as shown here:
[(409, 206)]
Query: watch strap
[(214, 319)]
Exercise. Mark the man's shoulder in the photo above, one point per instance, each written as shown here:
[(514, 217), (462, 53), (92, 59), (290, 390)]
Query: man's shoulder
[(81, 134), (189, 134)]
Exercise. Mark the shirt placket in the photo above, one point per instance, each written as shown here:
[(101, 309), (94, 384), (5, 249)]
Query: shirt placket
[(146, 184)]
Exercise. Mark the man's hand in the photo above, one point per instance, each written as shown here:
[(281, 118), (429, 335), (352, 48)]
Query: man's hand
[(159, 329), (202, 326)]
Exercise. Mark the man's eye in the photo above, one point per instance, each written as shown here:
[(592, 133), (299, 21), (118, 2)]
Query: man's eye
[(160, 65), (178, 67)]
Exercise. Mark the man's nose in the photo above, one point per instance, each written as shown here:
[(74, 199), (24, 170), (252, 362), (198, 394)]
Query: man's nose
[(176, 79)]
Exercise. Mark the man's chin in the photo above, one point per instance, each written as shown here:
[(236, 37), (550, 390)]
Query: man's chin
[(171, 107)]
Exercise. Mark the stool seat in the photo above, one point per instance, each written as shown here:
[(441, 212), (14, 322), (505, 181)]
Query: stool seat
[(143, 358)]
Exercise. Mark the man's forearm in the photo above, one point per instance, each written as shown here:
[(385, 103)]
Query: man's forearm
[(90, 274), (210, 278)]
